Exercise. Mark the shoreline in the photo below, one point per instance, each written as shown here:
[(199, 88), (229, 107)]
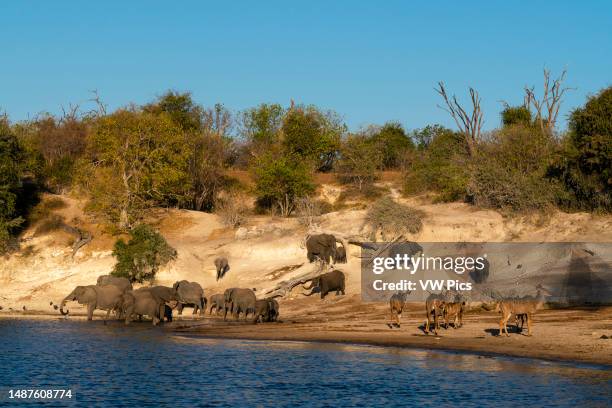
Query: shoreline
[(420, 342), (402, 346), (515, 346)]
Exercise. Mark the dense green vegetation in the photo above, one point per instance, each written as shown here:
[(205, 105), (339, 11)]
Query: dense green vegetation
[(142, 255), (173, 152), (11, 171)]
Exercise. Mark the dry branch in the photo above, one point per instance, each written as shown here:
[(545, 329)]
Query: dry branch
[(470, 124), (550, 103), (300, 276)]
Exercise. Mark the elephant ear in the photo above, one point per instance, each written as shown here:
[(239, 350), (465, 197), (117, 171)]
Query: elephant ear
[(176, 285)]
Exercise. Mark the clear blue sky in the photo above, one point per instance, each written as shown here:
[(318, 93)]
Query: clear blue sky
[(368, 61)]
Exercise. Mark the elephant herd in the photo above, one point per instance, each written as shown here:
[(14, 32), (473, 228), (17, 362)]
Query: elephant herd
[(115, 294)]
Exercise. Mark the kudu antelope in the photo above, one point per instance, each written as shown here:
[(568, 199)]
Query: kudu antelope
[(397, 304), (453, 310), (434, 304), (518, 307)]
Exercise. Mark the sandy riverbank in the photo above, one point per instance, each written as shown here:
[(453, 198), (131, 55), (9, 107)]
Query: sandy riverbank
[(583, 335), (578, 335)]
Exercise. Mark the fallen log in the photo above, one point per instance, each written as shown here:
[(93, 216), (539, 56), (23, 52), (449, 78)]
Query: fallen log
[(83, 237), (300, 276)]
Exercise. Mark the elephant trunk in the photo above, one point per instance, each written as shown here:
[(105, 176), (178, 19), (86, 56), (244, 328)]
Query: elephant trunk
[(61, 309), (311, 284), (312, 292)]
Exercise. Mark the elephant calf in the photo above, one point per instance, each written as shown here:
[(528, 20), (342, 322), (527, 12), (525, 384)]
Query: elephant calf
[(222, 266), (266, 310), (217, 302), (274, 309), (326, 283)]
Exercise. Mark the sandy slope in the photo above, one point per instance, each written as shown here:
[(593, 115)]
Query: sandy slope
[(260, 252)]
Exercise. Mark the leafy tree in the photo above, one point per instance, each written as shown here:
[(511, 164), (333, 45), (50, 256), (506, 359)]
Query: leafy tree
[(423, 137), (280, 181), (207, 142), (209, 155), (261, 126), (207, 167), (312, 135), (585, 166), (140, 160), (359, 161), (180, 107), (11, 157), (516, 115), (393, 142), (141, 257)]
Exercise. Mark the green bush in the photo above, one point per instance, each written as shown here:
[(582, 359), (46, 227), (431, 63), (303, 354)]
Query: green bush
[(585, 163), (11, 157), (442, 166), (392, 143), (140, 258), (516, 115), (510, 171), (280, 181), (359, 161), (392, 219)]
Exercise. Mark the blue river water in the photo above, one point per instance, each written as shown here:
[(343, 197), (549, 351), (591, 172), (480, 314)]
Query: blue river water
[(141, 365)]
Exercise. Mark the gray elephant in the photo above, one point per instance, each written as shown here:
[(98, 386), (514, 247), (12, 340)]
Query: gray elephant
[(190, 294), (162, 295), (106, 297), (340, 255), (326, 283), (274, 309), (322, 246), (266, 310), (239, 301), (222, 266), (123, 283), (262, 311), (141, 302), (217, 301)]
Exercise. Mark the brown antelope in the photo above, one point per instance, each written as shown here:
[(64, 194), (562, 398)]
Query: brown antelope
[(397, 304), (434, 304), (454, 310), (524, 306)]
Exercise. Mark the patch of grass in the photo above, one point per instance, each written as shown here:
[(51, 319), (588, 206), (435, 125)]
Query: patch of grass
[(367, 193), (45, 208), (28, 251), (52, 223), (232, 209), (392, 219)]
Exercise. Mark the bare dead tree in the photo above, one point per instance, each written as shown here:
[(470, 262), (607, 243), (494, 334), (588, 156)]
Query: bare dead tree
[(70, 114), (101, 107), (470, 124), (217, 120), (550, 103)]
